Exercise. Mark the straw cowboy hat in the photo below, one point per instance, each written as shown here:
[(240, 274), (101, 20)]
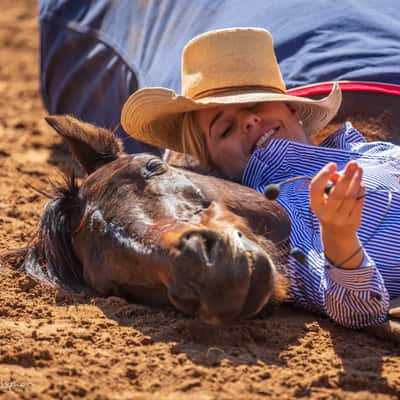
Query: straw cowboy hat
[(225, 66)]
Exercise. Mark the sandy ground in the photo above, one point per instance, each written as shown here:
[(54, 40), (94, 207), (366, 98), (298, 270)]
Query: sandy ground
[(57, 346)]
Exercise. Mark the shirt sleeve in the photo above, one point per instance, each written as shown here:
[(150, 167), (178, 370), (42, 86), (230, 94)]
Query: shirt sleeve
[(355, 298)]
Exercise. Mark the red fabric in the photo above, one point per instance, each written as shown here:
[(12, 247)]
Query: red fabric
[(346, 86)]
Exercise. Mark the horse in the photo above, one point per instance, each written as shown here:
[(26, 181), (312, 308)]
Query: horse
[(144, 230)]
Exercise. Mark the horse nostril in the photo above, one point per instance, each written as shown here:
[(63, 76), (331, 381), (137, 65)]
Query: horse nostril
[(204, 245), (240, 234)]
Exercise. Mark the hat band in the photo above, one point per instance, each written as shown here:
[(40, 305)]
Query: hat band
[(227, 89)]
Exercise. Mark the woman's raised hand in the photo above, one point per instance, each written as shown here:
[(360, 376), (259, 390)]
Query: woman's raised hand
[(339, 212)]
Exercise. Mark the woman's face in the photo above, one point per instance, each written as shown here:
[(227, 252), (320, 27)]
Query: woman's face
[(233, 132)]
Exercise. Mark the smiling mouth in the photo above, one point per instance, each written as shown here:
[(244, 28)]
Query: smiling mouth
[(261, 142)]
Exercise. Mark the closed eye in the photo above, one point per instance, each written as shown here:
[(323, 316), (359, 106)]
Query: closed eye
[(154, 166), (225, 133)]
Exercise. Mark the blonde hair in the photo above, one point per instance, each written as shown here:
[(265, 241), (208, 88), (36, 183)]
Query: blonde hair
[(194, 141)]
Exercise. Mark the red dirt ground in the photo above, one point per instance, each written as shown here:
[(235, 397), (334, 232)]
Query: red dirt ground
[(57, 347)]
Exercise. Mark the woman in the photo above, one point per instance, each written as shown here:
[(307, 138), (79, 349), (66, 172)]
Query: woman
[(234, 115)]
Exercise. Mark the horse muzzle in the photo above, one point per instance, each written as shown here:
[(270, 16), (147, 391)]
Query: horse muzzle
[(220, 276)]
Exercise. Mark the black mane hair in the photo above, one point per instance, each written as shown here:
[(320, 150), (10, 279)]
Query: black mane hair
[(52, 257)]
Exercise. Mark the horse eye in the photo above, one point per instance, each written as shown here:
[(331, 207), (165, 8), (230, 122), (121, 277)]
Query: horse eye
[(154, 166)]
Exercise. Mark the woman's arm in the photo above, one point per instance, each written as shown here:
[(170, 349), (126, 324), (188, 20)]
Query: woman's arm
[(354, 295)]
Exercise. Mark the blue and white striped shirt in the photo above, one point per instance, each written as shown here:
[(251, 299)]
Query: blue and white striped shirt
[(353, 298)]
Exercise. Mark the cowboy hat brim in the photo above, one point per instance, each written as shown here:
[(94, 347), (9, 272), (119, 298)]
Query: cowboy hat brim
[(155, 115)]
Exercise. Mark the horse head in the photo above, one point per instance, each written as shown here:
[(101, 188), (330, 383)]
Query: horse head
[(139, 228)]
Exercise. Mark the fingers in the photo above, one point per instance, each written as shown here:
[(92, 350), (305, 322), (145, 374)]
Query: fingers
[(356, 212), (342, 207), (319, 182), (345, 196)]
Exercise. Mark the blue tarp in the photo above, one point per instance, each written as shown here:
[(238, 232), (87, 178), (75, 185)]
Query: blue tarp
[(96, 52), (315, 40)]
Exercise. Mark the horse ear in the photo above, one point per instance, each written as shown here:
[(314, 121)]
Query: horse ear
[(92, 146)]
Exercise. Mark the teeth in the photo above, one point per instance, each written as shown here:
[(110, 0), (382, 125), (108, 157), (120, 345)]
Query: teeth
[(260, 142)]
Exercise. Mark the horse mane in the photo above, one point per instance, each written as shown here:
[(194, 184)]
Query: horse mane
[(52, 257)]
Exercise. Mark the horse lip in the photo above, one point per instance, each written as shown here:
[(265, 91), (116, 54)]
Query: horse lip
[(257, 296), (213, 306), (260, 269), (187, 306), (247, 265), (261, 286)]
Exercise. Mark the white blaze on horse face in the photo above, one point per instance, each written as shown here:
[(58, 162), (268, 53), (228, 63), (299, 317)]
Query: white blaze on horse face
[(120, 235), (184, 201), (140, 219)]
